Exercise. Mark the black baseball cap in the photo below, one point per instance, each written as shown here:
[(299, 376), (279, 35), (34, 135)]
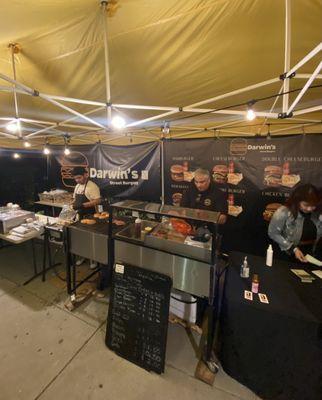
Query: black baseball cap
[(79, 171)]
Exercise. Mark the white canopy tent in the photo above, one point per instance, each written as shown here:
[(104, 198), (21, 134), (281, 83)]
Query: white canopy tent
[(67, 68)]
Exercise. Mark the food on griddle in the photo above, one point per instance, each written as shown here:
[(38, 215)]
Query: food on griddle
[(102, 215), (181, 226), (87, 221), (118, 222)]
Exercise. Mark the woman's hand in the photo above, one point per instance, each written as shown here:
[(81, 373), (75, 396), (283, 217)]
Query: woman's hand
[(299, 255)]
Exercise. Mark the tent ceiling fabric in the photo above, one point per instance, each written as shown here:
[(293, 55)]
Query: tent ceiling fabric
[(163, 52)]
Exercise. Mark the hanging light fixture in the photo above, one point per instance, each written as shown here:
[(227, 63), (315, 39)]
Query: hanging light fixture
[(250, 116), (16, 155), (268, 132), (13, 126), (46, 150), (118, 122), (166, 128), (26, 144), (66, 149)]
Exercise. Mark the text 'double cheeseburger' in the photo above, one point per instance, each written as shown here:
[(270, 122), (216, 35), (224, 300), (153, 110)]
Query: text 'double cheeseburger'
[(176, 172), (272, 175), (219, 173), (270, 210)]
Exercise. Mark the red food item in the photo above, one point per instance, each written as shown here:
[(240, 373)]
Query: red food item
[(181, 226)]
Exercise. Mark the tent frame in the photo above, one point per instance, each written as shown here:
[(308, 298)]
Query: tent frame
[(96, 127)]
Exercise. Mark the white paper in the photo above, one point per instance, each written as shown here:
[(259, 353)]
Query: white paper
[(318, 273), (119, 268), (313, 260)]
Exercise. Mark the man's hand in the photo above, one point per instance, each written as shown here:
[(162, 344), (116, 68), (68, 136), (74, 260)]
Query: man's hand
[(299, 255)]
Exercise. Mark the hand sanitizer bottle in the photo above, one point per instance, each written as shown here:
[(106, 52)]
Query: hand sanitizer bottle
[(269, 256)]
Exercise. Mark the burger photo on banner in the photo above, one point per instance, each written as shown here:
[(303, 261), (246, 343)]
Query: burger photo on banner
[(270, 210), (223, 174), (277, 176), (180, 173), (226, 174)]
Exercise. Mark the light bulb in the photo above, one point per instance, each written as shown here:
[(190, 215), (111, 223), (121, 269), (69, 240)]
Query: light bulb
[(118, 122), (67, 151), (46, 150), (16, 155), (26, 144), (13, 126), (250, 115)]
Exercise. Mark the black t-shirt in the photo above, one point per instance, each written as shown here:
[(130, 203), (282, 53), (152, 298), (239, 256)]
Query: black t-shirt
[(212, 199), (309, 228)]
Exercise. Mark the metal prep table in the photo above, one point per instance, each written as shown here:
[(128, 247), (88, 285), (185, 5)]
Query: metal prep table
[(90, 242), (193, 270)]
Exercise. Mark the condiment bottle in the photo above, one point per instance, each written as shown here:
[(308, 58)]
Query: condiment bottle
[(255, 283), (231, 167), (269, 256), (137, 227), (185, 166), (244, 270)]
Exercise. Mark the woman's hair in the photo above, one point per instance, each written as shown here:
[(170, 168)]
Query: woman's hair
[(307, 193)]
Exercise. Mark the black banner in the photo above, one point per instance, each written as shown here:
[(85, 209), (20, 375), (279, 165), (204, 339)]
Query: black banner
[(119, 171), (257, 173)]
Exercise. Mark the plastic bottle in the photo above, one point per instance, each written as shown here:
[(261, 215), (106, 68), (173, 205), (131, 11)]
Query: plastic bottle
[(269, 256), (137, 227), (255, 283), (244, 270)]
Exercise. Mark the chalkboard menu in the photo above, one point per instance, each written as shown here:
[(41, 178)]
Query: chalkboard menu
[(137, 321)]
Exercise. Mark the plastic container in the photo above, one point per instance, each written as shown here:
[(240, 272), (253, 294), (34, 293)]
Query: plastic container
[(255, 283), (269, 256), (244, 269)]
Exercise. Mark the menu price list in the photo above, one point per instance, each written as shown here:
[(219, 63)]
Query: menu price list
[(138, 314)]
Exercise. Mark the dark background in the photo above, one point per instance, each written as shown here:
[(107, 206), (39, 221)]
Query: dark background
[(22, 179)]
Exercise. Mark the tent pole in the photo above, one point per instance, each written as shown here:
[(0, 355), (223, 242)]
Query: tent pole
[(15, 49), (305, 87), (162, 170), (238, 91), (287, 53), (45, 97), (306, 76), (307, 110), (152, 118), (60, 123), (304, 60), (9, 135), (294, 127), (107, 65)]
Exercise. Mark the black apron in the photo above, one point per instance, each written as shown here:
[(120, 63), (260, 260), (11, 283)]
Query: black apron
[(80, 199)]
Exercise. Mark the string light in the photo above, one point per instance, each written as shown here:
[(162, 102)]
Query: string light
[(118, 122), (13, 126)]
